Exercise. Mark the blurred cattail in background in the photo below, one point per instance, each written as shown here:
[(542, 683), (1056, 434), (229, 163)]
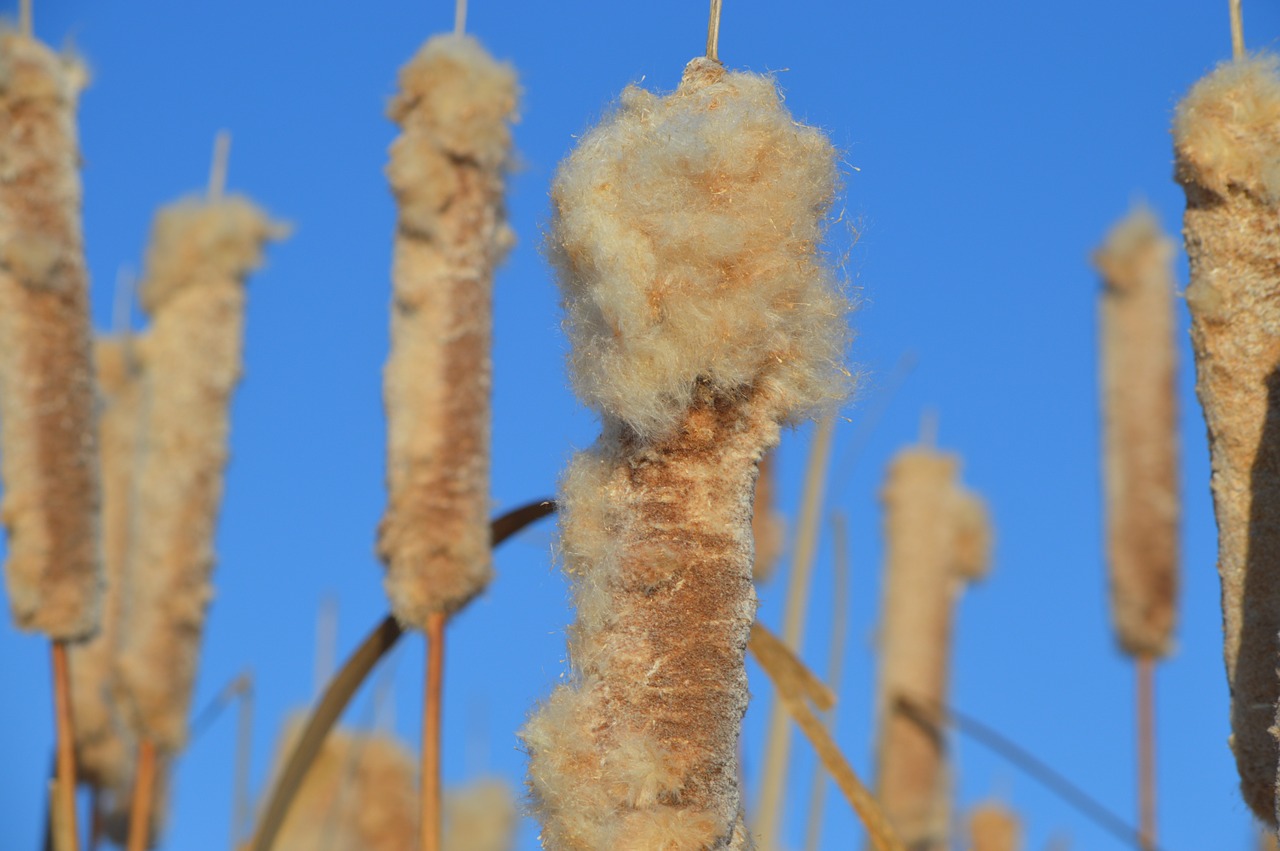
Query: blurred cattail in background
[(48, 445), (200, 256), (447, 170), (360, 795), (1227, 145), (938, 538), (768, 525), (992, 827), (481, 816), (701, 315), (104, 749)]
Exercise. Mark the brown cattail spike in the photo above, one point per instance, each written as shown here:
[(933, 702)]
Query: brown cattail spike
[(701, 316), (938, 539), (993, 828), (1140, 432), (104, 750), (447, 167), (199, 259), (48, 446), (1227, 145)]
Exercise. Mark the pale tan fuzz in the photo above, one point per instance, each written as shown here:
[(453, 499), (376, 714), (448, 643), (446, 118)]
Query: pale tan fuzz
[(937, 540), (481, 816), (447, 170), (701, 316), (104, 747), (1140, 432), (360, 795), (992, 827), (48, 444), (1227, 145), (194, 288)]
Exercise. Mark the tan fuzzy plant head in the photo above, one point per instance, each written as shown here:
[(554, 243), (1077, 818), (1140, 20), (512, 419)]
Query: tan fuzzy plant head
[(1227, 147), (447, 171), (686, 231), (1140, 431), (48, 441), (481, 816), (702, 316), (992, 827)]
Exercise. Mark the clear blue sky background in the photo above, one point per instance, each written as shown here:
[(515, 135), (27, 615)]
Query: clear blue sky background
[(988, 147)]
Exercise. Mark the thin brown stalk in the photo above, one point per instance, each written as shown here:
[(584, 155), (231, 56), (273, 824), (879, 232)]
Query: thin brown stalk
[(140, 820), (66, 787), (1145, 669), (713, 31), (433, 706), (1237, 30), (778, 738), (795, 687)]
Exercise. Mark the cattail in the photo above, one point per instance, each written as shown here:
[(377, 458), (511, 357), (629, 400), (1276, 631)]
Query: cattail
[(360, 795), (48, 448), (701, 315), (768, 526), (447, 167), (938, 539), (993, 828), (194, 289), (1139, 404), (481, 816), (103, 748), (1227, 144)]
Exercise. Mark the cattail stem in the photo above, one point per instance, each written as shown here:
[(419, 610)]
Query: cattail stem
[(778, 743), (66, 788), (25, 23), (431, 723), (242, 804), (460, 17), (218, 167), (1237, 30), (95, 819), (143, 794), (713, 31), (1146, 683)]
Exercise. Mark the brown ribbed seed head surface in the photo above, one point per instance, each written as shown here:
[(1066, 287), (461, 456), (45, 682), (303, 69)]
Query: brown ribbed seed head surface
[(701, 316), (1227, 143), (103, 748), (938, 539), (48, 447), (447, 168), (360, 795), (200, 256), (993, 828), (1140, 432)]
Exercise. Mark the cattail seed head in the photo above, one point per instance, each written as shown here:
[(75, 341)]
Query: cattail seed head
[(481, 816), (701, 316), (48, 444), (447, 169), (1227, 146), (993, 828), (200, 256), (1140, 430)]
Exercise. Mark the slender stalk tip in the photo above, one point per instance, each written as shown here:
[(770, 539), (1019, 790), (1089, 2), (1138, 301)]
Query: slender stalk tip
[(713, 31)]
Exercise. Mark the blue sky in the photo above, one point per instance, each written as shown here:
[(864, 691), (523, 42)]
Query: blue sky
[(987, 147)]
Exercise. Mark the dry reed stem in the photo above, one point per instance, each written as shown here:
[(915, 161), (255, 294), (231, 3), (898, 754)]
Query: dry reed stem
[(1227, 145), (839, 638), (778, 738), (199, 259), (140, 814), (359, 796), (993, 828), (430, 822), (701, 316), (796, 686), (926, 514), (481, 816), (768, 525), (104, 750), (48, 462), (65, 803), (1237, 30), (1140, 431), (447, 170), (1146, 712)]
